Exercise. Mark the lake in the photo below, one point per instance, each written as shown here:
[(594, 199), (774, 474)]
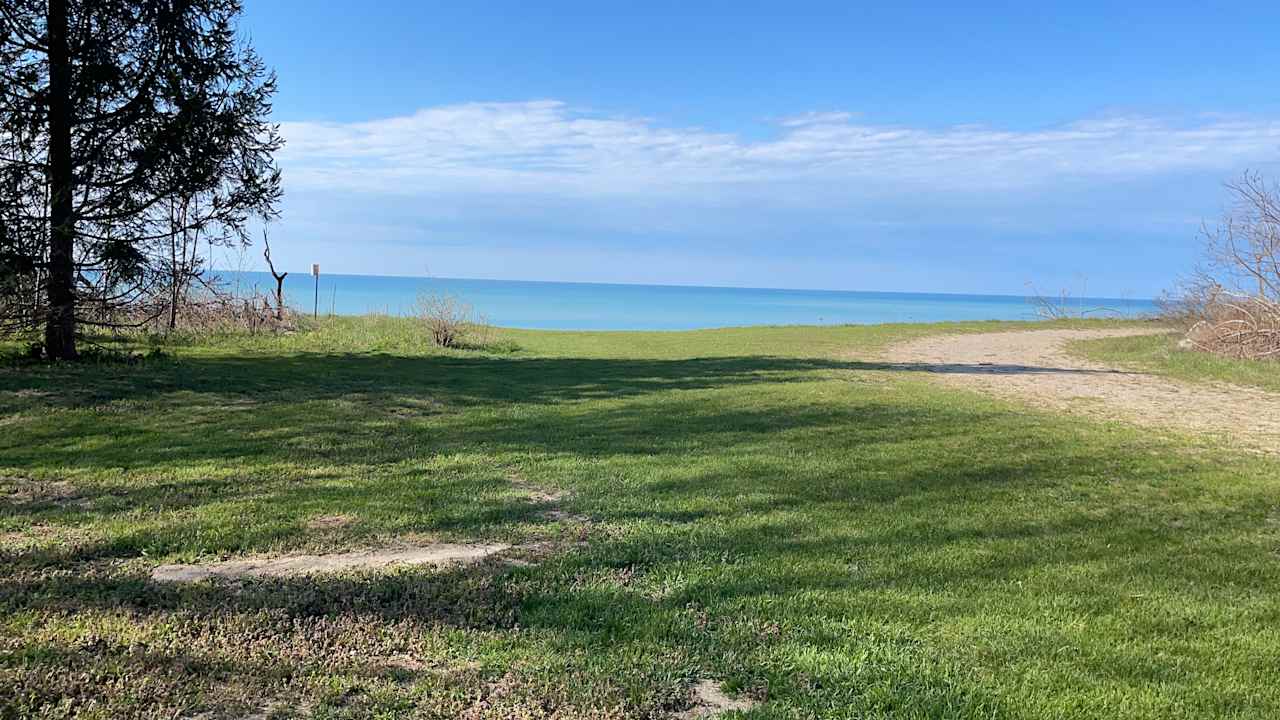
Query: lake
[(602, 306)]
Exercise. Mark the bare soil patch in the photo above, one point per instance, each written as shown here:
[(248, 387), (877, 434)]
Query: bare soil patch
[(273, 710), (404, 668), (437, 554), (535, 494), (710, 701), (1034, 366), (330, 522), (550, 499), (28, 493)]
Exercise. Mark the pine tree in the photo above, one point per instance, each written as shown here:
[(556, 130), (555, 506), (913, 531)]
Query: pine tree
[(113, 113)]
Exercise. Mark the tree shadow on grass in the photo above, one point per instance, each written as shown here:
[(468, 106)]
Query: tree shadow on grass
[(251, 381), (740, 580), (266, 498), (463, 381), (420, 444), (990, 368), (899, 510)]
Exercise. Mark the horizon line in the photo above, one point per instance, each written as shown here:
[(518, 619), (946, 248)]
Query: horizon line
[(1026, 296)]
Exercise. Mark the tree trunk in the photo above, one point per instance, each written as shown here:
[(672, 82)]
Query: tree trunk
[(60, 326), (174, 276), (173, 304), (266, 253)]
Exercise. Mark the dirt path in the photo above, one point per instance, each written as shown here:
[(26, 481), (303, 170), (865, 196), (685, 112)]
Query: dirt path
[(1035, 366)]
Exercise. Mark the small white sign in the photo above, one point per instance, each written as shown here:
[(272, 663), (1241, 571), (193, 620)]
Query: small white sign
[(315, 269)]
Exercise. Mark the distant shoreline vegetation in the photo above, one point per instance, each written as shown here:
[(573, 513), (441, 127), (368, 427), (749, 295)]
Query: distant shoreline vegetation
[(546, 305)]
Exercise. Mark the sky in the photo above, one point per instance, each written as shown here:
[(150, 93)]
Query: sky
[(926, 146)]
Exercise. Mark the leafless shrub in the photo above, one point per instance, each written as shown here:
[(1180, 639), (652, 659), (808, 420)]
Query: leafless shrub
[(451, 322), (1231, 305)]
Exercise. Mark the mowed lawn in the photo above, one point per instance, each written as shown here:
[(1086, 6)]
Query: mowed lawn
[(768, 508)]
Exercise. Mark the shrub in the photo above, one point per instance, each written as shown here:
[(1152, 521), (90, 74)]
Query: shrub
[(450, 322)]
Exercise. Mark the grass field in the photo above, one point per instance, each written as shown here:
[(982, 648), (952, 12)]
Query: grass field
[(1161, 354), (768, 508)]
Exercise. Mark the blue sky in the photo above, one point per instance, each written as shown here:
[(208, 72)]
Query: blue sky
[(954, 147)]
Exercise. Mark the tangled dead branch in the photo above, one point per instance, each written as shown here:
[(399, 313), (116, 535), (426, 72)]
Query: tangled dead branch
[(211, 307), (1239, 327)]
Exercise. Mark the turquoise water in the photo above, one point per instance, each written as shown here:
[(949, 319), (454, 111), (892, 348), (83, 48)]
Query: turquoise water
[(598, 306)]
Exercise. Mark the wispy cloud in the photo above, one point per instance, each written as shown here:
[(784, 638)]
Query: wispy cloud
[(550, 147)]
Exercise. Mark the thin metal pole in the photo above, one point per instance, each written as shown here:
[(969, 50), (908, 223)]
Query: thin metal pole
[(315, 305)]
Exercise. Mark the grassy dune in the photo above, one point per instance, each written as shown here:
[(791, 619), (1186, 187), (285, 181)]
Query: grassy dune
[(767, 507)]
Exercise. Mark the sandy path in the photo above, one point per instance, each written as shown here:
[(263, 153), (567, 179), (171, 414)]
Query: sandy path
[(1035, 366)]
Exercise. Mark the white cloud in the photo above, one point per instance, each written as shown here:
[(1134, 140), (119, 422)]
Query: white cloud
[(548, 147)]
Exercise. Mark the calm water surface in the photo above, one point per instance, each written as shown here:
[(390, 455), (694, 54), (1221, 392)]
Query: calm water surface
[(598, 306)]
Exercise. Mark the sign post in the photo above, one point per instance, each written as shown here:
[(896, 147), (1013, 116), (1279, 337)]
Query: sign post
[(315, 307)]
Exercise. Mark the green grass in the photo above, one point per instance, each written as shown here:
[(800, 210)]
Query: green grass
[(1161, 354), (768, 507)]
